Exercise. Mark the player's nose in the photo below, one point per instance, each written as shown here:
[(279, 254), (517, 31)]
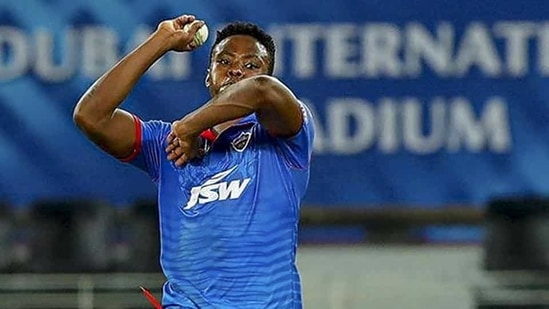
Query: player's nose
[(236, 71)]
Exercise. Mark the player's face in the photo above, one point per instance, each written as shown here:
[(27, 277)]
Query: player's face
[(235, 58)]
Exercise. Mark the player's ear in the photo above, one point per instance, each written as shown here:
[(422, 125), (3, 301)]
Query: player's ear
[(207, 80)]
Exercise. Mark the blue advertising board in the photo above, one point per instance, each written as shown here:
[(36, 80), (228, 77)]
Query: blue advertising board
[(427, 104)]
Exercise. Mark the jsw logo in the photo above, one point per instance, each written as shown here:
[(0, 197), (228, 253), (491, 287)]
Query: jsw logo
[(215, 190)]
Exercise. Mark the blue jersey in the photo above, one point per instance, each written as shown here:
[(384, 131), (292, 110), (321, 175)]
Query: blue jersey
[(229, 220)]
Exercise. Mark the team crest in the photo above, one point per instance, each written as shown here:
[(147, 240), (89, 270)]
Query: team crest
[(241, 142)]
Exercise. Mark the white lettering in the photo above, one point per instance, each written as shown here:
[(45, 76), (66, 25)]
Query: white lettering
[(233, 190), (215, 190), (208, 194), (173, 66), (388, 127), (477, 49), (342, 114), (543, 49), (516, 38), (99, 50), (304, 39), (355, 125), (333, 50), (342, 52), (414, 137), (491, 130), (14, 61), (423, 47), (46, 66), (382, 43), (193, 200)]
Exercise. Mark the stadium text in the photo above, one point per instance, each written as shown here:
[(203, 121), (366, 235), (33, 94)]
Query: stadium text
[(88, 51), (385, 50), (354, 125), (336, 51)]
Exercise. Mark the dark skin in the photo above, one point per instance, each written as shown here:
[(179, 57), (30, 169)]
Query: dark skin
[(237, 79), (239, 85)]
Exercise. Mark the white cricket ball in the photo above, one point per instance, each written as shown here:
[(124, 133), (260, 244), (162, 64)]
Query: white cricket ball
[(201, 35)]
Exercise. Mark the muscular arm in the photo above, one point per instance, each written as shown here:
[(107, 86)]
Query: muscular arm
[(97, 113), (275, 105)]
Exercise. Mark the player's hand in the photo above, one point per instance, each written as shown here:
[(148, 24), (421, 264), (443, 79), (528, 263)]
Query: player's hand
[(179, 39), (181, 149)]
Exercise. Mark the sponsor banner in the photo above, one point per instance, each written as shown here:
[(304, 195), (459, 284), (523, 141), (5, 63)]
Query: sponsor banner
[(434, 104)]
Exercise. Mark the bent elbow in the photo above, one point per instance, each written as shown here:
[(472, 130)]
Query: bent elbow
[(78, 118), (84, 121), (265, 83), (266, 87)]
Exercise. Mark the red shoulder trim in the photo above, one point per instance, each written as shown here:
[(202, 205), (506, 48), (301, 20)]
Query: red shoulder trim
[(137, 144)]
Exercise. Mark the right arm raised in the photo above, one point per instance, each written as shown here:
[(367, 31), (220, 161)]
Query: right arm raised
[(97, 113)]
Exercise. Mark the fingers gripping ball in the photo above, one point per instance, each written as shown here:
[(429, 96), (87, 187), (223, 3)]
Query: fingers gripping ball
[(201, 35)]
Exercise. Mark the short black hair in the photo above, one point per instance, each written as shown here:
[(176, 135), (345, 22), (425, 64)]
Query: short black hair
[(253, 30)]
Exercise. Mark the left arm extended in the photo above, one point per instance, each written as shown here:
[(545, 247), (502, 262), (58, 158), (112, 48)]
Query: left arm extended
[(275, 105)]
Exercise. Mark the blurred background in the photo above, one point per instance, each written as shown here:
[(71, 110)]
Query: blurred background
[(430, 177)]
